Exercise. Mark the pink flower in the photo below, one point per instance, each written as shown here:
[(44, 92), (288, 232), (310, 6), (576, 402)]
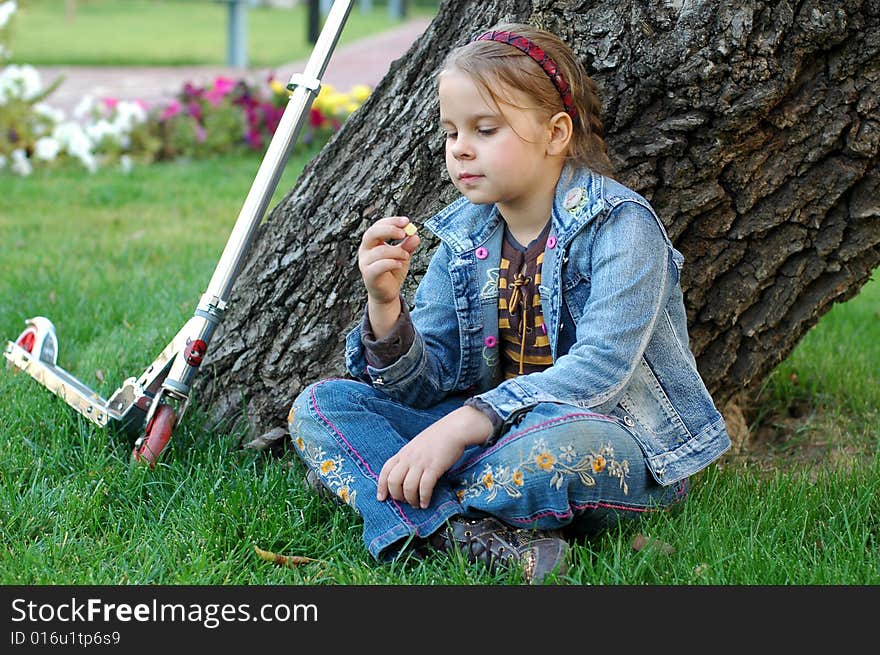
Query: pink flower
[(194, 110), (201, 133), (170, 111), (316, 118), (254, 139), (224, 85), (110, 103), (189, 90), (215, 97), (273, 117)]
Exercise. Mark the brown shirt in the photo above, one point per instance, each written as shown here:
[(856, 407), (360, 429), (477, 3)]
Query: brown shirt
[(525, 347)]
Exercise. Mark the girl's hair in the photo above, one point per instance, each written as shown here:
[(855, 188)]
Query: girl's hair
[(493, 65)]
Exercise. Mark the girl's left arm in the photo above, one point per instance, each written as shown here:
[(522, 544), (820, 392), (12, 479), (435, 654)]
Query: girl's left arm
[(631, 274)]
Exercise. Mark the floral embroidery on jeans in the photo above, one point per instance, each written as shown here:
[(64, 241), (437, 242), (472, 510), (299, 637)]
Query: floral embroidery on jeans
[(559, 466), (331, 469)]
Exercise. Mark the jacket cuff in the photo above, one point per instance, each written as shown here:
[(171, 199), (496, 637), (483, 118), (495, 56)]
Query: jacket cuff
[(493, 416)]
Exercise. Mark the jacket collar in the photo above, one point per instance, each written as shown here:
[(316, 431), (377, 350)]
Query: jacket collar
[(579, 197)]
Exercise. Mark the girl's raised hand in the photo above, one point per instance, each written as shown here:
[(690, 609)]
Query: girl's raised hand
[(384, 257)]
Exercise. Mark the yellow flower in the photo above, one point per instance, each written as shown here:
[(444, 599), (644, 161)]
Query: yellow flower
[(342, 492), (488, 480), (545, 461), (350, 107), (328, 465), (325, 97), (277, 87), (300, 443), (291, 415), (518, 478), (360, 92), (599, 464), (460, 494)]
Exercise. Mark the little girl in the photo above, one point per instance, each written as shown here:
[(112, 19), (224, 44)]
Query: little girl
[(542, 387)]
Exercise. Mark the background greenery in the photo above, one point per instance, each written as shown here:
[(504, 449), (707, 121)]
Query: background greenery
[(174, 32), (118, 263)]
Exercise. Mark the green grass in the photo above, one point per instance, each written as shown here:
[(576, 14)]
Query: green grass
[(821, 406), (172, 32), (118, 262)]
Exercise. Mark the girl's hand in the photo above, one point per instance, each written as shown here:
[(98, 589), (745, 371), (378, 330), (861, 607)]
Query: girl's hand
[(412, 473), (384, 266)]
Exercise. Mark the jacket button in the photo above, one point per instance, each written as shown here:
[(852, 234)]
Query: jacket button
[(482, 253), (628, 420), (490, 342), (551, 241)]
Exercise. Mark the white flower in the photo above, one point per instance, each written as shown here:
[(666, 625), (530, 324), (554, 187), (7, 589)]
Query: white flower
[(73, 139), (19, 82), (20, 163), (84, 107), (88, 160), (46, 148), (77, 143), (126, 163), (2, 162), (102, 129), (129, 114), (54, 114), (6, 11)]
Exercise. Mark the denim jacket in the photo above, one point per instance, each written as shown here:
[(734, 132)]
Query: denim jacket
[(614, 314)]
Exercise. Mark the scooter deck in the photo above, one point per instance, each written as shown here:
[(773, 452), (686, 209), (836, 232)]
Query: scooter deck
[(76, 394)]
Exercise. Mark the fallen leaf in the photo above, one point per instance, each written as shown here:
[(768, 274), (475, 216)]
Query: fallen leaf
[(99, 374), (265, 440), (641, 542), (283, 560)]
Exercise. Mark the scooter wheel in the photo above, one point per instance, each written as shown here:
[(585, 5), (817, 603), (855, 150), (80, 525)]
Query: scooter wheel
[(27, 339), (156, 436), (39, 340)]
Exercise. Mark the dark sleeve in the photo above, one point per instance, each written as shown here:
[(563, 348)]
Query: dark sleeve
[(381, 353), (486, 408)]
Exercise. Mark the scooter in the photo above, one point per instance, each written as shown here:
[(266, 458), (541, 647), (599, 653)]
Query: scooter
[(148, 408)]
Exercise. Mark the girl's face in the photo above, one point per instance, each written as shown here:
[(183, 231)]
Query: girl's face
[(493, 157)]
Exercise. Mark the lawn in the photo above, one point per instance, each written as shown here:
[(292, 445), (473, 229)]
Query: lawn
[(118, 261), (174, 32)]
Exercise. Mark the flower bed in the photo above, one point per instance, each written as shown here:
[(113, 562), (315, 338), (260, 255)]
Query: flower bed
[(221, 117)]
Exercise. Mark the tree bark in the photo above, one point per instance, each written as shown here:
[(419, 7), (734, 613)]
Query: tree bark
[(753, 127)]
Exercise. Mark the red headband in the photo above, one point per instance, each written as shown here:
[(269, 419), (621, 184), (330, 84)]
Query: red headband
[(543, 60)]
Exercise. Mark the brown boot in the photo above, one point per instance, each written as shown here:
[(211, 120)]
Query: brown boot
[(536, 552)]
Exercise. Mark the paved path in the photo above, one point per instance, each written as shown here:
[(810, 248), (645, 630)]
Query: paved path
[(362, 62)]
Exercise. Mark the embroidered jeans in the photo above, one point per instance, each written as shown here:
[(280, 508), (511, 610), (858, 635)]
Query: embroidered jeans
[(559, 467)]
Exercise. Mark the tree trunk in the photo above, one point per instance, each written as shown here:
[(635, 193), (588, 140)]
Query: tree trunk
[(752, 127)]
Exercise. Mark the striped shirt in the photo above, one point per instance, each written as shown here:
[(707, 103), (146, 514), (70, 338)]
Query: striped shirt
[(525, 347)]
